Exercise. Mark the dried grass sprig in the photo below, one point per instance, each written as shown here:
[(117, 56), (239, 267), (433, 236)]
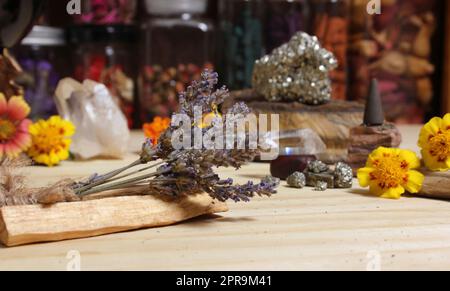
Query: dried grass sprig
[(14, 190)]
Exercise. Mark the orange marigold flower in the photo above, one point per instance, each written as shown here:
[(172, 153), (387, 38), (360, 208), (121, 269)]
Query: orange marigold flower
[(14, 135), (156, 128)]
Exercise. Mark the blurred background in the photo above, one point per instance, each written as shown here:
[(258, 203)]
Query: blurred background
[(147, 51)]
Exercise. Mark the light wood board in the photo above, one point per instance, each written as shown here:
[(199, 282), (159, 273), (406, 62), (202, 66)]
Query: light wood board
[(294, 230), (21, 225)]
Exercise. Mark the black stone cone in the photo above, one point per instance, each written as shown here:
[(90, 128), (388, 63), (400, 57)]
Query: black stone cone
[(374, 115)]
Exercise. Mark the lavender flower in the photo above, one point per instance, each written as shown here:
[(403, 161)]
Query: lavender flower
[(191, 171)]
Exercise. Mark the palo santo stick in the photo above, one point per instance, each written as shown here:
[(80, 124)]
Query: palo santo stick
[(21, 225), (436, 185)]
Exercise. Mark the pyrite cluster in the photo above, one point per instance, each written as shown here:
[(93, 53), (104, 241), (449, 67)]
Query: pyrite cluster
[(296, 71), (321, 177), (297, 180)]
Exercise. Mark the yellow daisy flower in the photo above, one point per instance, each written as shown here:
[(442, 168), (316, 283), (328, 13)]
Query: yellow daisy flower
[(51, 141), (434, 140), (390, 172)]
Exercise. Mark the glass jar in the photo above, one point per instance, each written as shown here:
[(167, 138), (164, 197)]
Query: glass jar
[(106, 54), (106, 12), (283, 19), (178, 44), (330, 23), (396, 48), (241, 40), (42, 56)]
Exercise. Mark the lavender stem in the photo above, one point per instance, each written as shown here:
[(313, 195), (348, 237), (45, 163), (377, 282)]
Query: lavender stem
[(128, 182), (106, 177)]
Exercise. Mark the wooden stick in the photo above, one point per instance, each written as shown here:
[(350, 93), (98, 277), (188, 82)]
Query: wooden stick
[(36, 223), (436, 185)]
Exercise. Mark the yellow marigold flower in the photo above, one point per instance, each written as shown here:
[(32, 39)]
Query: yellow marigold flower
[(390, 172), (51, 140), (434, 140)]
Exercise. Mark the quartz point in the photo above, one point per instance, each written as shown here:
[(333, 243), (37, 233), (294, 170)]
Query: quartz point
[(101, 127)]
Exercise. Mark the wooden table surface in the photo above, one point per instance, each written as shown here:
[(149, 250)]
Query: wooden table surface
[(294, 230)]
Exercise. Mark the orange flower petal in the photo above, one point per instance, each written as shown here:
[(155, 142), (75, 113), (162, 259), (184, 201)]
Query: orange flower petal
[(18, 109), (11, 150), (156, 128), (22, 140), (24, 126)]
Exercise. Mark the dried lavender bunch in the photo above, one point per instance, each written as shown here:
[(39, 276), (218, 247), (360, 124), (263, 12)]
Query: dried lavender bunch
[(190, 171)]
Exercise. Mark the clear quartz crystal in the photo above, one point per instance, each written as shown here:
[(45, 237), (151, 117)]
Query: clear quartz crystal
[(101, 127)]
